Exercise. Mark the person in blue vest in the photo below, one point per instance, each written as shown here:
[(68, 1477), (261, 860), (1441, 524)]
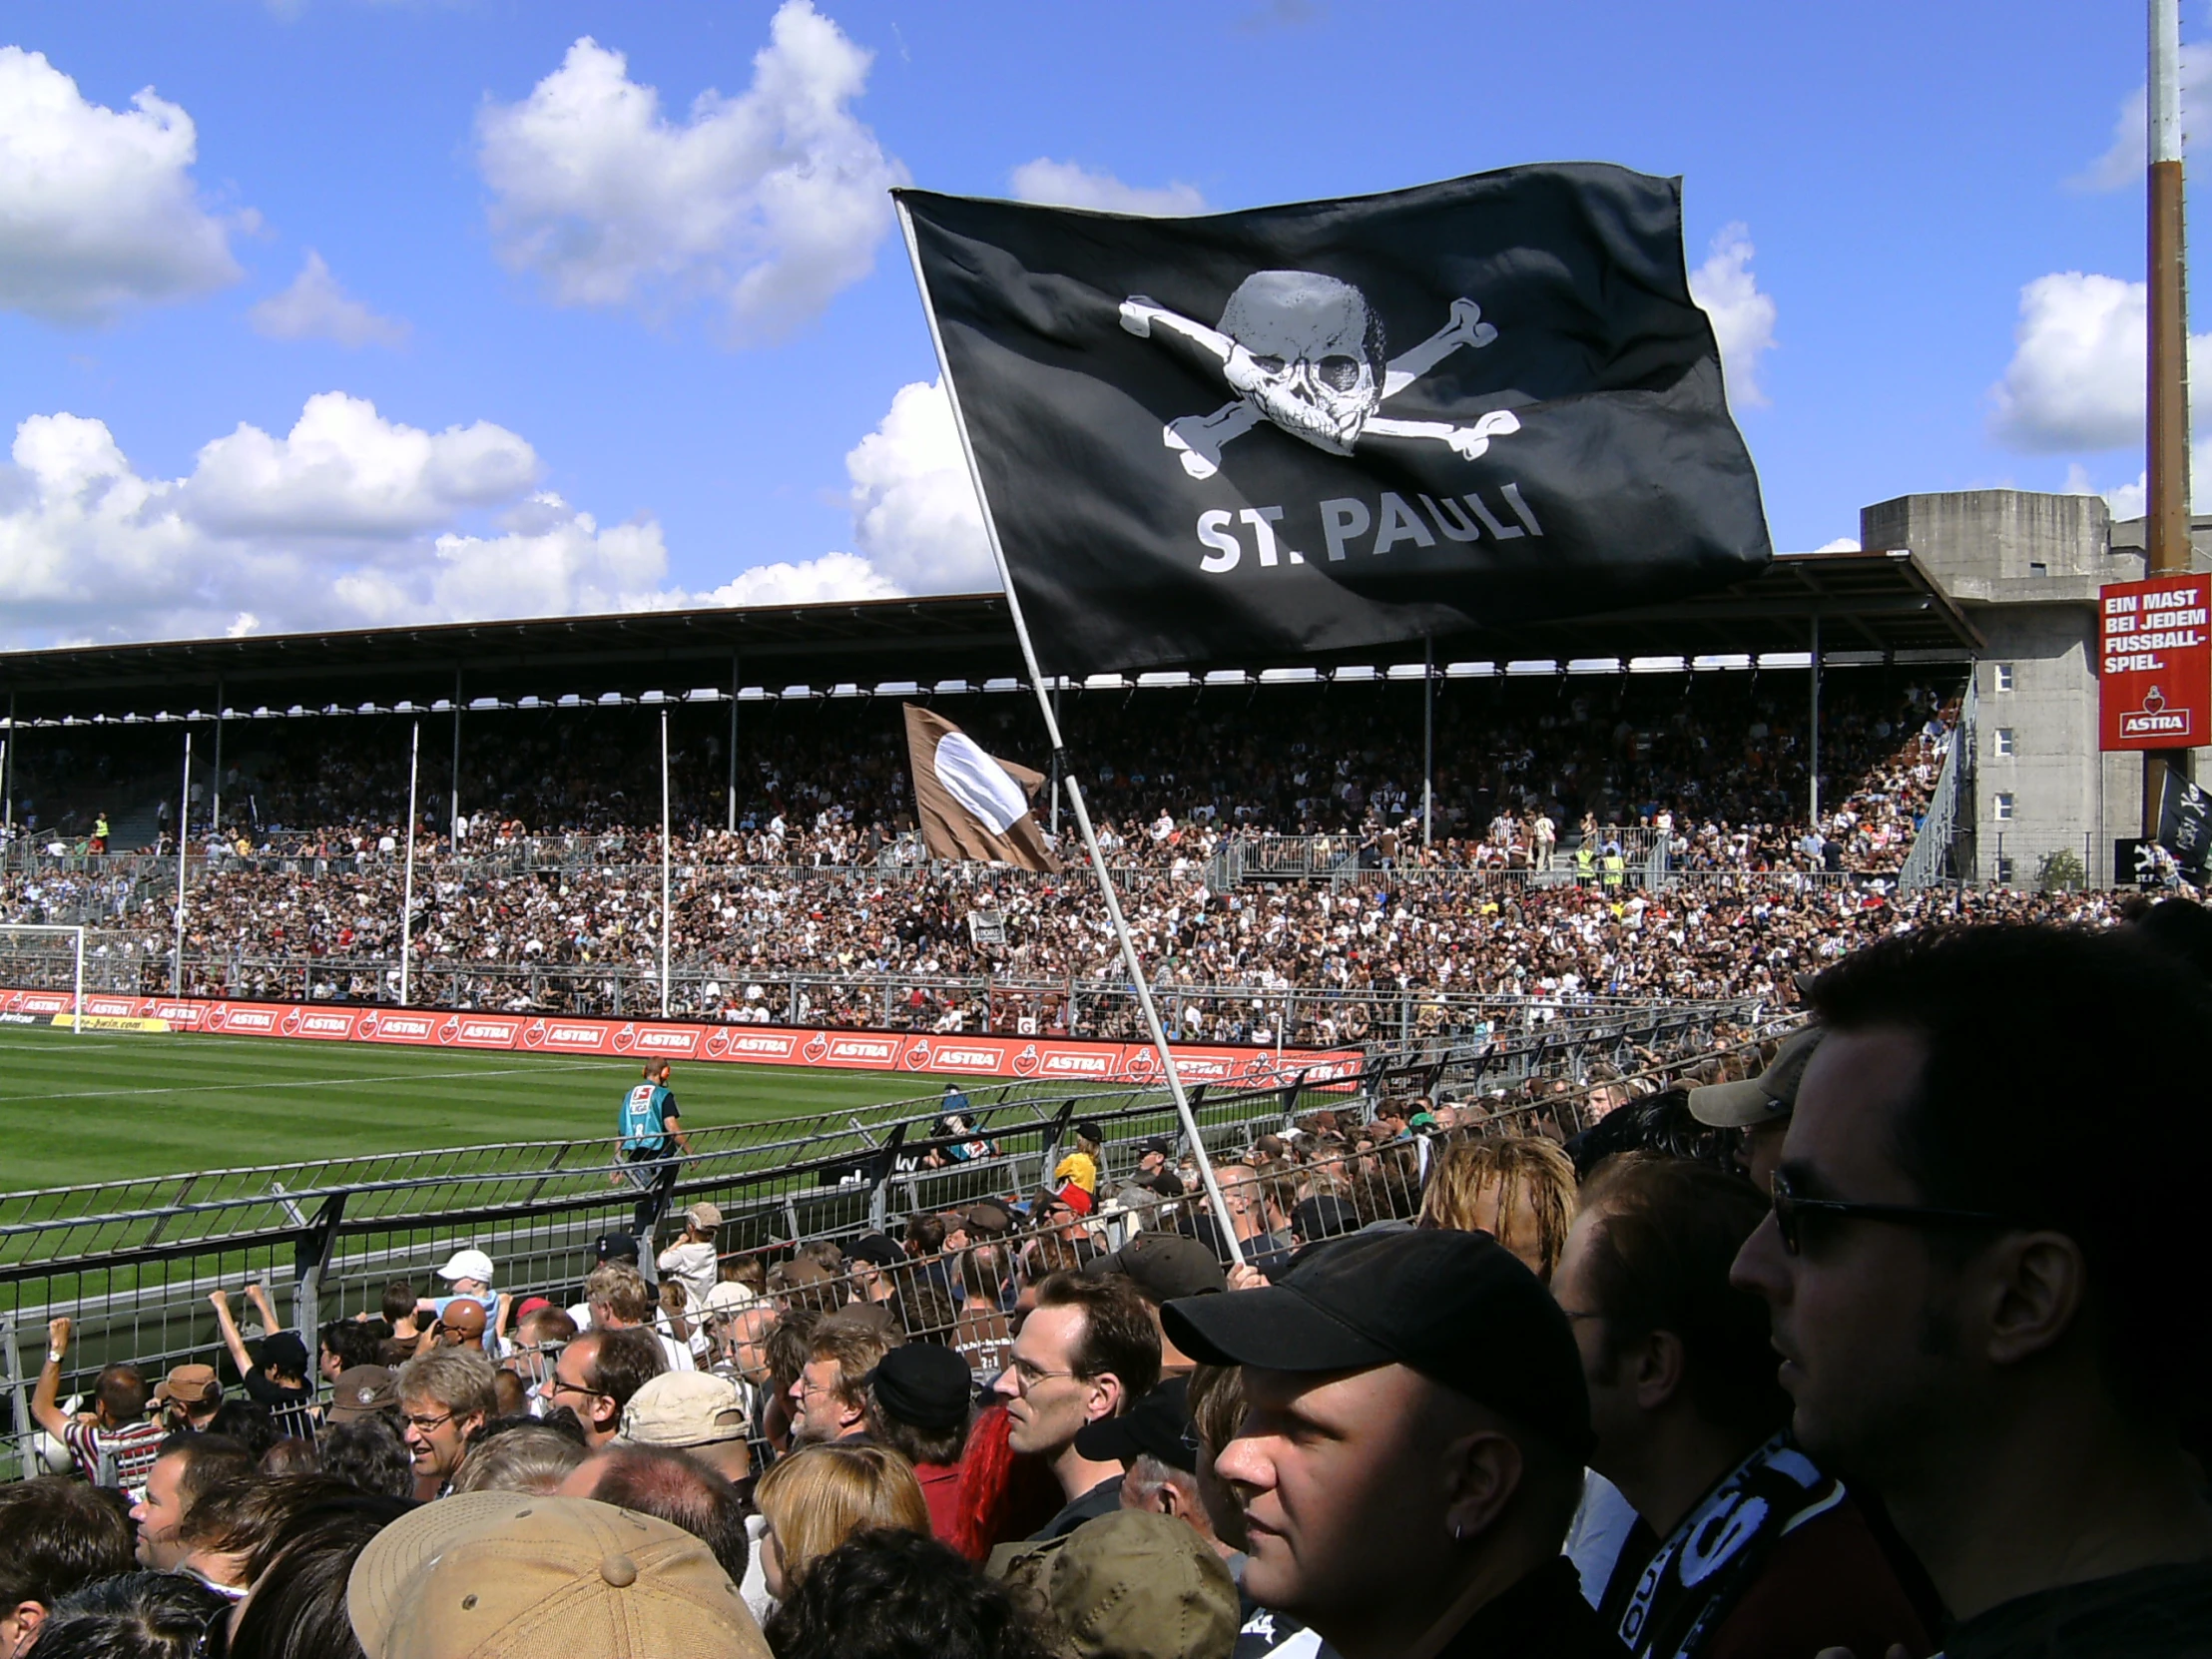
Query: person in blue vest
[(649, 1131)]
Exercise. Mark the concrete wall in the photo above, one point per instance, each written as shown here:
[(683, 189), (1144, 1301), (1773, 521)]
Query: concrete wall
[(2025, 568)]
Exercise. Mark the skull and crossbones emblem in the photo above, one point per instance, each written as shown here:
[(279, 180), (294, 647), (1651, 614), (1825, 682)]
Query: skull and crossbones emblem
[(1304, 352)]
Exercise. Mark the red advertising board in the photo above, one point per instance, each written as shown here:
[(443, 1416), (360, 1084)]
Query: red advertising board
[(2155, 667), (1051, 1059)]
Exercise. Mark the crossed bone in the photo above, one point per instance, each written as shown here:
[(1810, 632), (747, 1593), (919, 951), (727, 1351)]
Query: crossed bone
[(1198, 439)]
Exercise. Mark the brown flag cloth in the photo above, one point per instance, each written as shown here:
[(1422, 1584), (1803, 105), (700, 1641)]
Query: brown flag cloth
[(972, 804)]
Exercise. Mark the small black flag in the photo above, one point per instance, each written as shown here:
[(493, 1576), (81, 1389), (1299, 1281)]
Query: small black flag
[(1340, 423), (2185, 827)]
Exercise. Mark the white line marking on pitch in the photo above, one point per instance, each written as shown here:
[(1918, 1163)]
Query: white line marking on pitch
[(298, 1083)]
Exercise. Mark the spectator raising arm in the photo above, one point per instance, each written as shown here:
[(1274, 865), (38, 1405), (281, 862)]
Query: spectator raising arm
[(46, 1409), (229, 1329)]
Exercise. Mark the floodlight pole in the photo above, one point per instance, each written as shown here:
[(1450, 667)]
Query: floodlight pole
[(7, 776), (184, 841), (453, 821), (406, 890), (2166, 532), (1429, 743), (664, 860), (1813, 749), (733, 824), (1224, 1227), (216, 814)]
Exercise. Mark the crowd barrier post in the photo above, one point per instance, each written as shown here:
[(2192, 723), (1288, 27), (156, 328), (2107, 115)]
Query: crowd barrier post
[(310, 1256), (19, 1398)]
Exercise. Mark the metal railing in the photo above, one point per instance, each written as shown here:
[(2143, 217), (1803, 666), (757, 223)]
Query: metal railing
[(1004, 1004), (133, 1262)]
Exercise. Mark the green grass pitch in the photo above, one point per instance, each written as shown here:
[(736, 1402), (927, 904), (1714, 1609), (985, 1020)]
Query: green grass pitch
[(110, 1105)]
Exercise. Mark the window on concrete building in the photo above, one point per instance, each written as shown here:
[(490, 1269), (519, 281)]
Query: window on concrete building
[(2004, 676), (2004, 870), (2005, 740), (2002, 806)]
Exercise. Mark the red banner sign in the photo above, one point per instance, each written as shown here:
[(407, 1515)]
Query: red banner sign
[(1052, 1059), (2155, 674)]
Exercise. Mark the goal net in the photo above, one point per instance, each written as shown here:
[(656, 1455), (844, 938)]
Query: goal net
[(42, 973)]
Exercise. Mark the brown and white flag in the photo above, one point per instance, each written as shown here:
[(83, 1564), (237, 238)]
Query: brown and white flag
[(972, 804)]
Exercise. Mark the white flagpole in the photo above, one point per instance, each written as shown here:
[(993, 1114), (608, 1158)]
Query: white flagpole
[(1225, 1227), (184, 838), (406, 891), (664, 863)]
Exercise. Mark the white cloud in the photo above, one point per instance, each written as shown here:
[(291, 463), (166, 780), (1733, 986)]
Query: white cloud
[(1842, 544), (2122, 164), (316, 306), (97, 210), (352, 519), (765, 204), (343, 470), (1071, 184), (914, 512), (348, 520), (1743, 317), (811, 582), (2077, 378)]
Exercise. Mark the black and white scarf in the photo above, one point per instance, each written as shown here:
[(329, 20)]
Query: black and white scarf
[(1696, 1575)]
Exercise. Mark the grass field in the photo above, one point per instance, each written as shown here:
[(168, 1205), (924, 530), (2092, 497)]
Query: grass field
[(108, 1105)]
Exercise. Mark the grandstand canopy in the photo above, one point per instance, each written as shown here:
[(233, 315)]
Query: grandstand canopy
[(1880, 606)]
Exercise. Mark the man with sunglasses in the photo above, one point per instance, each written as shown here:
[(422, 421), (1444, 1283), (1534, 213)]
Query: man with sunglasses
[(445, 1395), (2001, 1331), (597, 1374)]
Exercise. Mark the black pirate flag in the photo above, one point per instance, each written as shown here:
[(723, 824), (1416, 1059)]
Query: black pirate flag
[(1340, 423)]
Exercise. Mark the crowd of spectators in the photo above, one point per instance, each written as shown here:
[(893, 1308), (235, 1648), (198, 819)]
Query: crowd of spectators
[(1432, 1377), (1719, 759), (1321, 962)]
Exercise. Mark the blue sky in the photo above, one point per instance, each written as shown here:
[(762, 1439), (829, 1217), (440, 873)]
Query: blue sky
[(430, 313)]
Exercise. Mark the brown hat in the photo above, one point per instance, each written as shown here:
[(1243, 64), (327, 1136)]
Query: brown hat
[(1129, 1585), (1767, 1098), (362, 1391), (489, 1576), (190, 1385)]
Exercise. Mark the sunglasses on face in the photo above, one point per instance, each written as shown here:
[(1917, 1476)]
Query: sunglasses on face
[(1792, 1212)]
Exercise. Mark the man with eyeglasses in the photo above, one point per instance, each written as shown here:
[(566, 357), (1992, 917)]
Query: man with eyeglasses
[(445, 1395), (597, 1374), (1087, 1350), (1740, 1543), (2001, 1331)]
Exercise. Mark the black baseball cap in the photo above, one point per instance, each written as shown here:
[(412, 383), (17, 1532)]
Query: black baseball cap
[(1163, 1265), (615, 1247), (1455, 1307), (875, 1249), (1158, 1425)]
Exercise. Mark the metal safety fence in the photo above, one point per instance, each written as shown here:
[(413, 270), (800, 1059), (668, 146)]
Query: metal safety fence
[(133, 1264)]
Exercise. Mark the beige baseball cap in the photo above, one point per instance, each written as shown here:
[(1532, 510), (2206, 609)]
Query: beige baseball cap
[(704, 1215), (1129, 1583), (682, 1409), (1767, 1098), (729, 1296), (513, 1575)]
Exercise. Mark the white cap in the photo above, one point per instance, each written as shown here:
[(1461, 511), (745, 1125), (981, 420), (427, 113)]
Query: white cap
[(728, 1297), (467, 1264)]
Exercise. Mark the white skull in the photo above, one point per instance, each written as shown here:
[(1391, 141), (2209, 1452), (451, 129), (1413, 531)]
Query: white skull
[(1307, 354)]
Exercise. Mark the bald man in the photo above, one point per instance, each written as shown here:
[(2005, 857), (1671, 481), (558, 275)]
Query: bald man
[(461, 1324)]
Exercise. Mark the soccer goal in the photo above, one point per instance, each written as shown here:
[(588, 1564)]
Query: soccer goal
[(43, 956)]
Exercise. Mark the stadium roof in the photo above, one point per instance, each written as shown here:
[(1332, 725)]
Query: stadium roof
[(1880, 606)]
